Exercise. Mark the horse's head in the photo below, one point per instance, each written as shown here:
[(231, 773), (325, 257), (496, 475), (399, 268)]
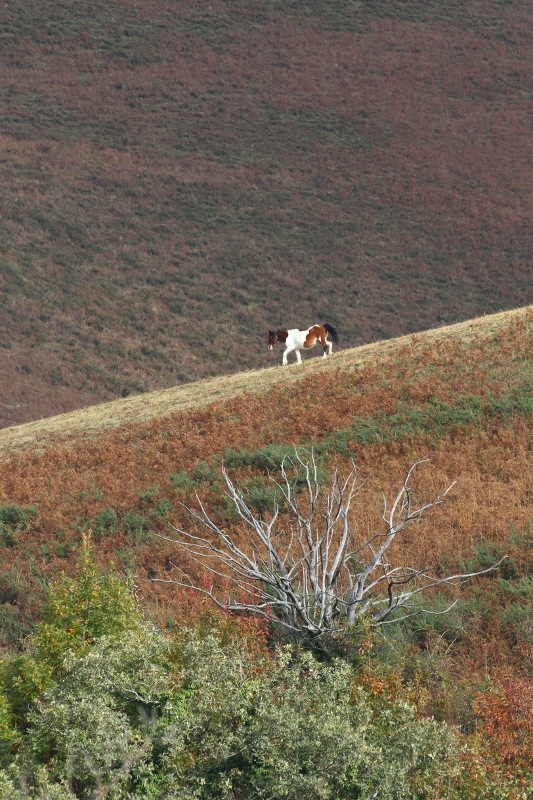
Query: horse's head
[(272, 339)]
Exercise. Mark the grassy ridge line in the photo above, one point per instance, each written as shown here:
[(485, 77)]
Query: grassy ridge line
[(100, 418)]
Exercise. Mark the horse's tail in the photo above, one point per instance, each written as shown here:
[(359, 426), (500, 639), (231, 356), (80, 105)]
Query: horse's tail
[(332, 332)]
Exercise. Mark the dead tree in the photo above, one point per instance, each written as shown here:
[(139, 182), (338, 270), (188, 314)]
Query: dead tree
[(304, 570)]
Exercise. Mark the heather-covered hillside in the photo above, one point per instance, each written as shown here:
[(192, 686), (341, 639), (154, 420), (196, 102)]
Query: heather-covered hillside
[(460, 397), (180, 697), (179, 177)]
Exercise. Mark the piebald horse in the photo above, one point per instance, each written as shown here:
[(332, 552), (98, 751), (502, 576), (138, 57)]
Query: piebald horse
[(299, 340)]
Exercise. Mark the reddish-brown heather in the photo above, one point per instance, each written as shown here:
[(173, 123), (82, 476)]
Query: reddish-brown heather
[(176, 180)]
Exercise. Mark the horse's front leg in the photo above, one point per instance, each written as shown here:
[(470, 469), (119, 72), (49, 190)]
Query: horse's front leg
[(298, 357), (285, 354)]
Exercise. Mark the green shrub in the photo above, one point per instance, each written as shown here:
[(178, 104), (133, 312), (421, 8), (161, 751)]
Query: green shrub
[(262, 496), (63, 549), (99, 725), (13, 627), (14, 518), (161, 509), (17, 784), (205, 473), (236, 724), (287, 727), (148, 495), (181, 483), (105, 523), (484, 555), (7, 537), (137, 525), (213, 713), (266, 459)]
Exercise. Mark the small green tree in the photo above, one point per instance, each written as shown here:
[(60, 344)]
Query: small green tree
[(77, 612), (82, 609)]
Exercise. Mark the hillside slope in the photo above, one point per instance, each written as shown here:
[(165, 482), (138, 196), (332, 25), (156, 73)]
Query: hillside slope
[(459, 396), (177, 178), (95, 420)]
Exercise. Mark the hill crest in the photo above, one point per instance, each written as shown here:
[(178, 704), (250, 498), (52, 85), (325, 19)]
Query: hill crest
[(94, 420)]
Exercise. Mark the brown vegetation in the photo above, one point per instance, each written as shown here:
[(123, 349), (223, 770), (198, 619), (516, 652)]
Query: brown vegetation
[(139, 474), (177, 179)]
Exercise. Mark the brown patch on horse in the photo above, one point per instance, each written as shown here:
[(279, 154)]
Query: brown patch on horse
[(314, 333), (282, 336)]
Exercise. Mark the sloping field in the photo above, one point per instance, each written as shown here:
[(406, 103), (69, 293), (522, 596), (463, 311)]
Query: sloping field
[(143, 408), (179, 177), (459, 396)]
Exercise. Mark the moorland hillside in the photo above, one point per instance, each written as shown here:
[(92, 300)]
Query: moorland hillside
[(459, 396), (179, 177)]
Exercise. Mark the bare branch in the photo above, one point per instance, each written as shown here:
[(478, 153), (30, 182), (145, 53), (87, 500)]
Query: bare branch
[(313, 578)]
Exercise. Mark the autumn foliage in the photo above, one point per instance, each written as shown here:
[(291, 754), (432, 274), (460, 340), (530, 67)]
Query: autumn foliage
[(506, 712)]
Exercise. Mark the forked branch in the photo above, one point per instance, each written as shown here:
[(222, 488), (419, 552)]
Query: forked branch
[(315, 578)]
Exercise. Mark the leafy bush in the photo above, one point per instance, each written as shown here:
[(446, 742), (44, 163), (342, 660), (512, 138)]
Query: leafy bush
[(115, 709), (232, 722), (205, 473), (75, 615), (261, 496), (288, 727), (148, 495), (484, 554), (137, 525), (99, 723), (104, 524), (17, 517)]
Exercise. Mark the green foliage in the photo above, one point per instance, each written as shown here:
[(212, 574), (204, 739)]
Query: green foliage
[(181, 483), (80, 610), (266, 459), (76, 613), (138, 526), (101, 719), (205, 473), (14, 518), (148, 495), (261, 496), (435, 418), (484, 555), (442, 618), (214, 713), (287, 727), (15, 785), (12, 624), (161, 509), (105, 523)]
